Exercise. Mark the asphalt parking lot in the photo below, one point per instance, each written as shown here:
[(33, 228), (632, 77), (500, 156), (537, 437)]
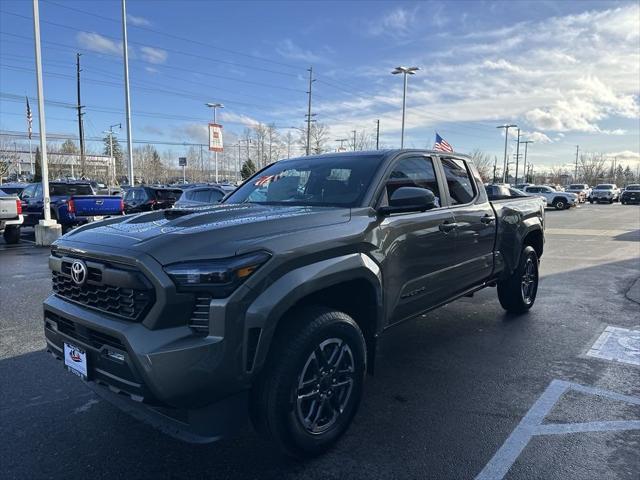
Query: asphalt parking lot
[(465, 392)]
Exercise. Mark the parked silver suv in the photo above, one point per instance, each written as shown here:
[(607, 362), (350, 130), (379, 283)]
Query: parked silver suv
[(605, 192)]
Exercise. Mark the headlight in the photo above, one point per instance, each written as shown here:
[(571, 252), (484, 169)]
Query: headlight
[(218, 277)]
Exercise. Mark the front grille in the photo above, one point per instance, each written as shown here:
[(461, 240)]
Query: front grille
[(199, 321), (120, 292), (83, 334)]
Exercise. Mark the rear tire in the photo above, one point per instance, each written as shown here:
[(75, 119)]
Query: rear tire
[(311, 385), (12, 234), (517, 293)]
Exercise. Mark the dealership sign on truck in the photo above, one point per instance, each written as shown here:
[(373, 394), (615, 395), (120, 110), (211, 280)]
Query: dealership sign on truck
[(215, 137)]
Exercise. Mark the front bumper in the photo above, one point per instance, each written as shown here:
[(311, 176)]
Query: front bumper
[(635, 198), (154, 362)]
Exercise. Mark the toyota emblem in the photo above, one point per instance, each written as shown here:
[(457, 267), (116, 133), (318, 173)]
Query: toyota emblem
[(78, 272)]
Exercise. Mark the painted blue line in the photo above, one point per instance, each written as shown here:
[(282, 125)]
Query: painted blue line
[(531, 425), (605, 393), (510, 450), (610, 426)]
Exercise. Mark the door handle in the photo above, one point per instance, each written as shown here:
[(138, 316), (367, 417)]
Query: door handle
[(487, 219), (447, 227)]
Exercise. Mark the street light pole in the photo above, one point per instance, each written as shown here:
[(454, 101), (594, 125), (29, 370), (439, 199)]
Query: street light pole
[(575, 174), (215, 106), (405, 71), (378, 134), (43, 133), (517, 154), (127, 99), (506, 137), (354, 140)]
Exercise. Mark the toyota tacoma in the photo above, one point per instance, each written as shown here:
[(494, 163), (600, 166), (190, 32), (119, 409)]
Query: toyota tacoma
[(269, 305)]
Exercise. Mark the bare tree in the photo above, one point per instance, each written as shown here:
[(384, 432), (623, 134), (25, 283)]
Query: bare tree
[(9, 156), (592, 168), (484, 164), (318, 138)]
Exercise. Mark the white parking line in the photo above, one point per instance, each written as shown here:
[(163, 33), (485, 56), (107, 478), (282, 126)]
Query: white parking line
[(531, 425)]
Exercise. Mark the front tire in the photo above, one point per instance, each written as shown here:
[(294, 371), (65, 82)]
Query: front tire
[(559, 204), (11, 234), (312, 383), (517, 293)]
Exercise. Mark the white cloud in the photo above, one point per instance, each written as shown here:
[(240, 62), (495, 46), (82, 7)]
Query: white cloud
[(549, 76), (396, 23), (97, 43), (625, 155), (537, 137), (138, 21), (231, 117), (153, 55), (287, 49)]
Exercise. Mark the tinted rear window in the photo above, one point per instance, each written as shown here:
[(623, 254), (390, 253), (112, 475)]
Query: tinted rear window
[(70, 189), (168, 194)]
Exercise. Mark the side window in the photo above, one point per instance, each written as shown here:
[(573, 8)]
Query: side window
[(201, 196), (461, 187), (413, 172), (532, 190), (215, 196), (28, 192), (38, 193)]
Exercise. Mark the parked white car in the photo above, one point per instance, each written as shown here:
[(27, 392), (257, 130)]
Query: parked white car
[(605, 192), (558, 200), (581, 189)]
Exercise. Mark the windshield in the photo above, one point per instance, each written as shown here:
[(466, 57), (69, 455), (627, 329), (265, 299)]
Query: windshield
[(66, 190), (168, 194), (338, 181), (604, 187), (633, 187), (576, 187)]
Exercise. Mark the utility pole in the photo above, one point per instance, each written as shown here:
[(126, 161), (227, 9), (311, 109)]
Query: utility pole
[(127, 99), (506, 137), (80, 107), (378, 134), (575, 173), (517, 154), (524, 166), (311, 80), (354, 140)]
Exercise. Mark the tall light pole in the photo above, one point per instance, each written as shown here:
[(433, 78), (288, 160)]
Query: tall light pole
[(215, 106), (354, 139), (127, 98), (506, 137), (378, 134), (524, 166), (575, 174), (517, 154), (405, 71)]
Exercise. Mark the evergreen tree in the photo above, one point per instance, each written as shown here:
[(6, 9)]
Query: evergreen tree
[(37, 177), (248, 169), (117, 154)]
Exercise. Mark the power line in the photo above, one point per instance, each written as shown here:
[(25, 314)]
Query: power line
[(177, 37), (178, 52)]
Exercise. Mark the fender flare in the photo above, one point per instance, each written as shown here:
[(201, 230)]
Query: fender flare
[(269, 307)]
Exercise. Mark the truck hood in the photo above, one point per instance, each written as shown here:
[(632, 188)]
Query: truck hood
[(210, 232)]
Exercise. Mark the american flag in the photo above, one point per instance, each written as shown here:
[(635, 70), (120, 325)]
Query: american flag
[(29, 119), (442, 145)]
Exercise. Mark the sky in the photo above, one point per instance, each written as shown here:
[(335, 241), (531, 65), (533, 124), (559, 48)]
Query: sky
[(566, 72)]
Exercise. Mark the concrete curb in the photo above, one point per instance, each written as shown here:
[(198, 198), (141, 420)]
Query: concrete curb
[(633, 293)]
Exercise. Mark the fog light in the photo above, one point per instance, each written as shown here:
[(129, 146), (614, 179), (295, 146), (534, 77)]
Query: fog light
[(117, 356)]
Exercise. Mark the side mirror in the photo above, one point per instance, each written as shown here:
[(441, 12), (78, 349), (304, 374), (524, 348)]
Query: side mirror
[(409, 199)]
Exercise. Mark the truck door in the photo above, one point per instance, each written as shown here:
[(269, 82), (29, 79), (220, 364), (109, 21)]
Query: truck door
[(475, 223), (416, 248)]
